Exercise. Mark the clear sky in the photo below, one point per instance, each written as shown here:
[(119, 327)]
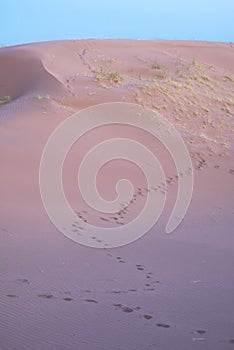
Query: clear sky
[(25, 21)]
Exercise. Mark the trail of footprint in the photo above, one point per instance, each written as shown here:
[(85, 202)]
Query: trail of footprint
[(143, 192), (162, 188), (51, 296), (149, 286), (128, 309), (199, 160)]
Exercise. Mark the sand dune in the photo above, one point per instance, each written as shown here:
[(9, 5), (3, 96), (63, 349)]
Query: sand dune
[(160, 292), (23, 73)]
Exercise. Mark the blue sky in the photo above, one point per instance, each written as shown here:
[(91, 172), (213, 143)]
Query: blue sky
[(25, 21)]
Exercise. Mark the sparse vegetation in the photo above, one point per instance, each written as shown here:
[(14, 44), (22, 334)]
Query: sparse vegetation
[(229, 78), (160, 71), (38, 97), (4, 99), (200, 78), (155, 66), (179, 73), (113, 77), (226, 109)]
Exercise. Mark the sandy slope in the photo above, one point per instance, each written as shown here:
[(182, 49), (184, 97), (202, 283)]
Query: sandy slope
[(161, 292)]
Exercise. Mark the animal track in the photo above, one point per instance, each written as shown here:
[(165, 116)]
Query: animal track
[(160, 188)]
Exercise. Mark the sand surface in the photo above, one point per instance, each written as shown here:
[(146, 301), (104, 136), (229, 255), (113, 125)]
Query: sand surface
[(163, 292)]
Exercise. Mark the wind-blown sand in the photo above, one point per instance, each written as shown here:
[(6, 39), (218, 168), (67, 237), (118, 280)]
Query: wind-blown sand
[(162, 291)]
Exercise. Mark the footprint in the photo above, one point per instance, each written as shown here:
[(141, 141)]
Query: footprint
[(124, 308), (169, 180), (200, 331), (67, 299), (163, 325), (137, 308), (5, 230), (139, 267), (91, 301), (46, 296), (231, 341), (103, 219), (12, 296), (117, 305), (147, 317), (127, 309), (23, 280)]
